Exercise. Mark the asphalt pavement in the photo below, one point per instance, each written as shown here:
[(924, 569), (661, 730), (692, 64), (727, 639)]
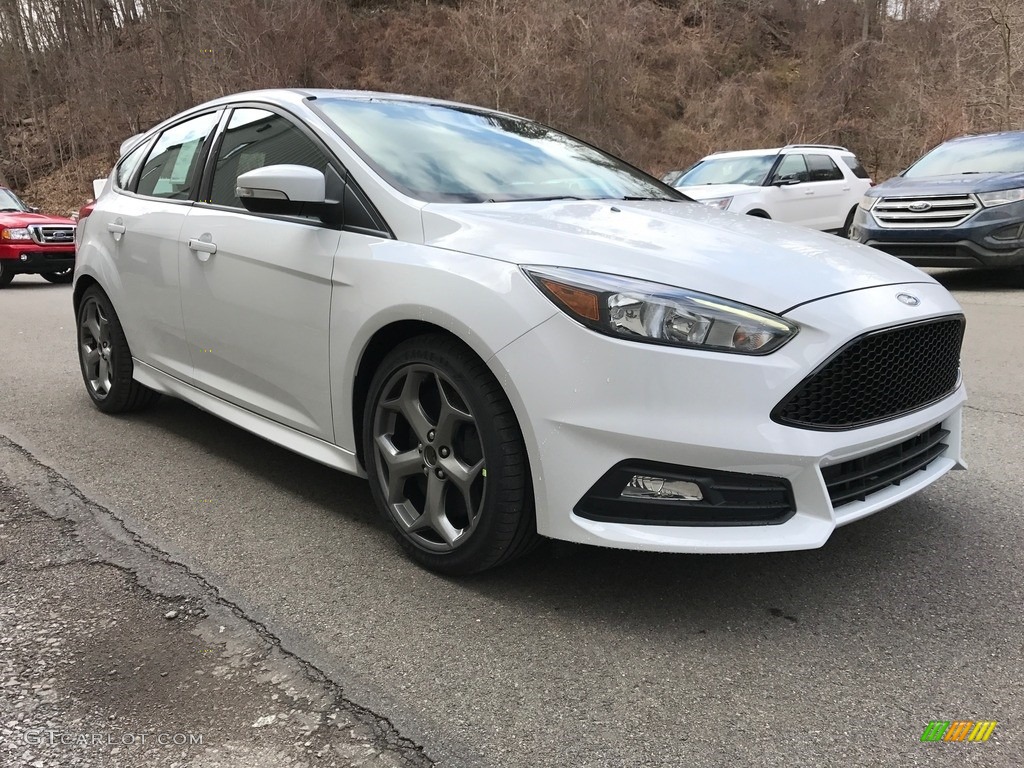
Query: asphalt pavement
[(577, 656)]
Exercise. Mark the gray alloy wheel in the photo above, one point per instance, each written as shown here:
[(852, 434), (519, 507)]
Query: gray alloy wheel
[(446, 459), (430, 460), (94, 347), (105, 358)]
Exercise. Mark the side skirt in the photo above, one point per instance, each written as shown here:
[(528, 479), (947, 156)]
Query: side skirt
[(305, 445)]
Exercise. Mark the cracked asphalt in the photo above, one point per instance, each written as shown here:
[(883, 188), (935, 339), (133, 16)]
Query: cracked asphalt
[(577, 656)]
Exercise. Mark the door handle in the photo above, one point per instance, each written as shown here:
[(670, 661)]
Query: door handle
[(116, 228), (203, 248), (808, 194)]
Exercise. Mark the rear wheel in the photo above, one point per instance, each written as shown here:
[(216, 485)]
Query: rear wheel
[(446, 459), (105, 358), (61, 278)]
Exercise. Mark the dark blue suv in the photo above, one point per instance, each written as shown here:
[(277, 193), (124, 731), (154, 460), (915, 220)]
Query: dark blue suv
[(961, 205)]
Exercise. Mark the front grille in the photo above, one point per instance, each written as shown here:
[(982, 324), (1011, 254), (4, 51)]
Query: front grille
[(856, 479), (928, 211), (52, 234), (878, 376)]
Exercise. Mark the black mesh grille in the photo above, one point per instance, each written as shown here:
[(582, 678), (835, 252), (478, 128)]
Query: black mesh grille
[(878, 376), (857, 479)]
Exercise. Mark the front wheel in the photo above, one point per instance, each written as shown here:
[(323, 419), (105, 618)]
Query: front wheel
[(446, 459), (63, 277), (6, 275), (105, 358)]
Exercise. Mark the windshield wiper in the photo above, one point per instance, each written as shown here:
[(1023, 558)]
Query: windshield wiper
[(662, 199), (537, 199)]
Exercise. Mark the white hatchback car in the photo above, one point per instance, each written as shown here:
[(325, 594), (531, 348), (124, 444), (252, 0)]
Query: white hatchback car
[(813, 185), (510, 332)]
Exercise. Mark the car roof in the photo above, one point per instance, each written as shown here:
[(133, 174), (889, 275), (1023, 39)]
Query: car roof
[(779, 150), (994, 134)]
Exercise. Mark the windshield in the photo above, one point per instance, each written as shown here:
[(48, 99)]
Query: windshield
[(746, 169), (444, 153), (10, 202), (980, 154)]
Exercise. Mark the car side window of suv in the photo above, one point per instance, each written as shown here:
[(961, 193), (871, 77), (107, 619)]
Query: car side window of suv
[(823, 168), (855, 165), (792, 168), (173, 166)]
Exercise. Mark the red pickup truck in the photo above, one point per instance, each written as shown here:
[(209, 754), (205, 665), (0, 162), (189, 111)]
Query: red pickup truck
[(33, 243)]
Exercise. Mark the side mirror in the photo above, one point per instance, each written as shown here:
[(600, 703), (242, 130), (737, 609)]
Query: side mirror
[(287, 190), (33, 209)]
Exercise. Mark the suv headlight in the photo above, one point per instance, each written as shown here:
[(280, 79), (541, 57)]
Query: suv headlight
[(15, 234), (867, 202), (1002, 197), (721, 203), (661, 314)]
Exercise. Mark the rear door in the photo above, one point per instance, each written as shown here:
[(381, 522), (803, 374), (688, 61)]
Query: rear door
[(137, 225), (829, 203)]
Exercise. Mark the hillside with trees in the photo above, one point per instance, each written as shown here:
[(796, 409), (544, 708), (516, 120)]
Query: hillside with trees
[(659, 82)]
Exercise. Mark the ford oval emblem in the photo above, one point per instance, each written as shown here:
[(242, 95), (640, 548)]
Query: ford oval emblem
[(909, 299), (919, 207)]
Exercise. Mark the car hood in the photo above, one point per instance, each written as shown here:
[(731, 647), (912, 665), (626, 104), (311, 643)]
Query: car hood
[(24, 219), (762, 263), (957, 184), (708, 191)]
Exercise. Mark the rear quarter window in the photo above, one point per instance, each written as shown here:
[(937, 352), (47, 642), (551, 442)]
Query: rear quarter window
[(854, 165)]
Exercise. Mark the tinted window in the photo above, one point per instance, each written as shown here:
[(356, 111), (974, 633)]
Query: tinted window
[(9, 201), (172, 168), (854, 165), (746, 169), (997, 153), (792, 167), (126, 168), (823, 168), (256, 138), (445, 153)]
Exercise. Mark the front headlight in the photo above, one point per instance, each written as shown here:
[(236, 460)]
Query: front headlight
[(721, 203), (1002, 197), (661, 314), (867, 202), (15, 234)]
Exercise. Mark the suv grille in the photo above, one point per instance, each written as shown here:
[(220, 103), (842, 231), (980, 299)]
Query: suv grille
[(925, 211), (878, 376), (856, 479), (52, 234)]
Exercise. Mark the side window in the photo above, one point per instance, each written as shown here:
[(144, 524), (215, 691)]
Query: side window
[(792, 167), (855, 166), (823, 168), (129, 163), (172, 168), (256, 138)]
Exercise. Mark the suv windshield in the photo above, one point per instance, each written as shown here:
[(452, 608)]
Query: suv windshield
[(10, 202), (445, 153), (746, 169), (998, 153)]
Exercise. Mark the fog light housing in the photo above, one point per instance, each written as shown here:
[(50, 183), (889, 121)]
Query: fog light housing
[(653, 493), (1008, 233), (650, 487), (24, 257)]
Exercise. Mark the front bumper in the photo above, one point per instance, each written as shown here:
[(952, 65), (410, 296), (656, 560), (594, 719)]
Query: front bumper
[(612, 401), (34, 259), (992, 238)]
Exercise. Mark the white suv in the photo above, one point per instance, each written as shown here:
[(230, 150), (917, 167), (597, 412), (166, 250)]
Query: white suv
[(814, 185)]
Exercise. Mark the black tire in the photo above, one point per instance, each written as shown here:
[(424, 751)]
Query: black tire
[(102, 343), (492, 515), (6, 275), (845, 231), (63, 277)]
